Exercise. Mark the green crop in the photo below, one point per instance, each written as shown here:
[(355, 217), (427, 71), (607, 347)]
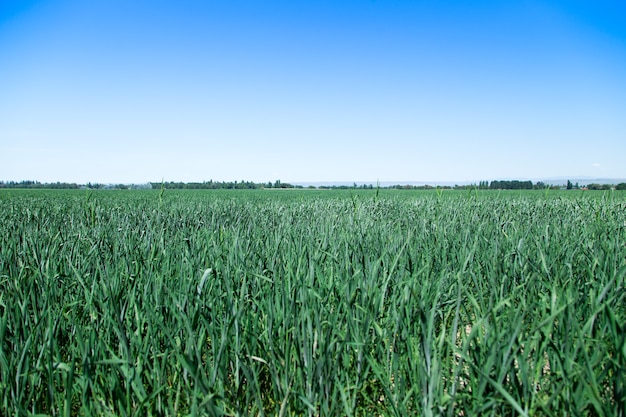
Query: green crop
[(312, 303)]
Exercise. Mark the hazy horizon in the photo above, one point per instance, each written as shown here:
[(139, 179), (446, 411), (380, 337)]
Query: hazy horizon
[(578, 181), (353, 91)]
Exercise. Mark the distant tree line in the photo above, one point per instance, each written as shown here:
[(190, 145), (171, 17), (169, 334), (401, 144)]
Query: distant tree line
[(354, 186), (70, 185), (482, 185), (206, 185), (221, 185), (37, 184), (249, 185), (511, 185), (594, 186)]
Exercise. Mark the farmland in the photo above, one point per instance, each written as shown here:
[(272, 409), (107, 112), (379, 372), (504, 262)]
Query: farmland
[(312, 303)]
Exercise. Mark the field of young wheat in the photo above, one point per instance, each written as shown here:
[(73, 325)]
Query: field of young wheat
[(312, 303)]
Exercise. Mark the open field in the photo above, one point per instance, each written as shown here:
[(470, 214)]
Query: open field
[(309, 302)]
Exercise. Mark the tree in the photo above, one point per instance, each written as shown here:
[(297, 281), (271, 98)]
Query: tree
[(569, 185), (595, 186), (621, 186)]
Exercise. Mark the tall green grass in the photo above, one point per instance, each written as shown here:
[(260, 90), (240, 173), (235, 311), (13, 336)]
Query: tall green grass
[(307, 303)]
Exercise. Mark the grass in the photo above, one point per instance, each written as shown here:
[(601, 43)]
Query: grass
[(312, 303)]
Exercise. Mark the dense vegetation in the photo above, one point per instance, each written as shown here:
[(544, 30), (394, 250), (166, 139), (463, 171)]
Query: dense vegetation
[(312, 303)]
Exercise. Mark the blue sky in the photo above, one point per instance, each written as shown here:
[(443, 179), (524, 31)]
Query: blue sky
[(374, 90)]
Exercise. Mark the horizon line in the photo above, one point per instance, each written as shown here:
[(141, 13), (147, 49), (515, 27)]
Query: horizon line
[(560, 179)]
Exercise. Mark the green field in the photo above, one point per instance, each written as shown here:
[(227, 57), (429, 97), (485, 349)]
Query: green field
[(282, 302)]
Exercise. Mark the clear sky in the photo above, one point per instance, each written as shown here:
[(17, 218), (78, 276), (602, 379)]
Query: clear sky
[(128, 91)]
